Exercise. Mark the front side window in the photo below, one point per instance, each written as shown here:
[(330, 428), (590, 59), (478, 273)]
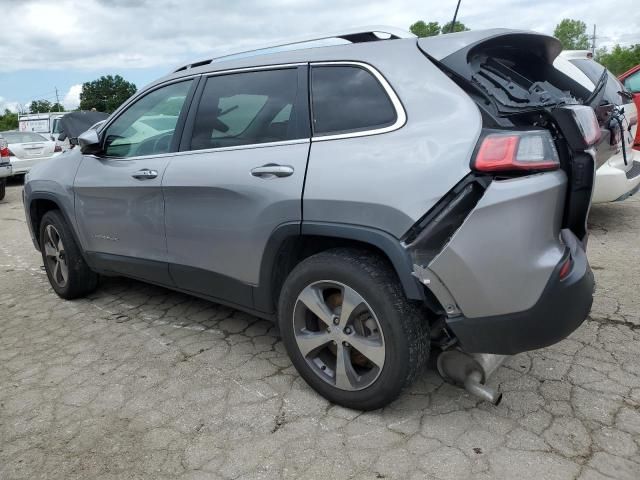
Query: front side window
[(247, 108), (147, 127), (348, 99)]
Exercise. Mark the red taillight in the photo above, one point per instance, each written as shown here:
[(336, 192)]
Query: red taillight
[(5, 152), (516, 151), (587, 123), (565, 269), (58, 148)]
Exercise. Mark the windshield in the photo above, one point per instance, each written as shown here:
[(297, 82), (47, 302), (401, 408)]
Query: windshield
[(593, 70), (22, 137)]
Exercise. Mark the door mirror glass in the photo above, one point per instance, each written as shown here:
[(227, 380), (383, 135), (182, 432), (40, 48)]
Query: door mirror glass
[(89, 142)]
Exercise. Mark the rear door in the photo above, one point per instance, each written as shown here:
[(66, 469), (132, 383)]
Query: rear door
[(239, 176), (118, 196)]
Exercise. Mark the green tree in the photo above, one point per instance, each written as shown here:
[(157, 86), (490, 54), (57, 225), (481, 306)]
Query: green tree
[(106, 93), (8, 121), (57, 107), (422, 29), (40, 106), (458, 27), (619, 59), (572, 34)]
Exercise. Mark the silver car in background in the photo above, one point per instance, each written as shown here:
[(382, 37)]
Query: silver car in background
[(381, 199), (27, 149)]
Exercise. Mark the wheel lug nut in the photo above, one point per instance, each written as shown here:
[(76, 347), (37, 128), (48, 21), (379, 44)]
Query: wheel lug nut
[(345, 344), (336, 320), (347, 330)]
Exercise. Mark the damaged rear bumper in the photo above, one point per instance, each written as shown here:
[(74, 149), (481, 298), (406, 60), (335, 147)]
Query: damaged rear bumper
[(561, 309), (498, 277)]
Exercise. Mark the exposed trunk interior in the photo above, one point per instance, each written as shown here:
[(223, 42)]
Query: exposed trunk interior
[(512, 79)]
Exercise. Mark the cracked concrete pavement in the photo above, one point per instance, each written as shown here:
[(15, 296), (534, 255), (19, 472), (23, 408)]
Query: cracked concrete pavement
[(140, 382)]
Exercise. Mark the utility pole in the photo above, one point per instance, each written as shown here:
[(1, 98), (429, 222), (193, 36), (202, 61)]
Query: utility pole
[(455, 16), (57, 100), (593, 41)]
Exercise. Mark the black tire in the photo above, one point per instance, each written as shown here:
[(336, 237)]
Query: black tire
[(3, 188), (404, 326), (80, 279)]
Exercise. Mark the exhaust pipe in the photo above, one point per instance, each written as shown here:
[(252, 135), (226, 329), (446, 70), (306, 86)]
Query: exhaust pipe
[(471, 371)]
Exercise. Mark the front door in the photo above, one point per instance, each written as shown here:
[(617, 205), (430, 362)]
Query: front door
[(118, 195), (239, 175)]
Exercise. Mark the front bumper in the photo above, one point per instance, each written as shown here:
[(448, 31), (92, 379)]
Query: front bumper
[(561, 309), (6, 170)]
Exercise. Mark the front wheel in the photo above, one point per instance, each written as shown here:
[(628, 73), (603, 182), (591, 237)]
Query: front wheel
[(349, 330), (67, 271)]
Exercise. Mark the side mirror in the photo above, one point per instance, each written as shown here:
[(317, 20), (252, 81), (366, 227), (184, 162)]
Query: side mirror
[(89, 142)]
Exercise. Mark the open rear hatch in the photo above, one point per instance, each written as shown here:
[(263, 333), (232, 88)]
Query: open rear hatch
[(511, 77)]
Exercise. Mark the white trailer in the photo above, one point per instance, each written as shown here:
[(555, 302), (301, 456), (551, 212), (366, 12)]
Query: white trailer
[(38, 122)]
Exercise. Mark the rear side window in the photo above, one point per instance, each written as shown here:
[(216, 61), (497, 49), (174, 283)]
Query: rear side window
[(247, 108), (593, 70), (348, 99)]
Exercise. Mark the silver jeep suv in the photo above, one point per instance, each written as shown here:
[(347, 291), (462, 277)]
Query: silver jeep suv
[(380, 198)]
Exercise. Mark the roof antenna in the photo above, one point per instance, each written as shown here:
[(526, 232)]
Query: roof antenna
[(455, 15)]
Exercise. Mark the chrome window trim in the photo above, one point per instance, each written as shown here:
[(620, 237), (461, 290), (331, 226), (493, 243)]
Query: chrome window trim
[(258, 68), (401, 114), (249, 146), (209, 150)]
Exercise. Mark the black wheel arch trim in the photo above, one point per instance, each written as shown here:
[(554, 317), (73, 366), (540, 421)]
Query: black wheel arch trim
[(52, 198), (385, 242)]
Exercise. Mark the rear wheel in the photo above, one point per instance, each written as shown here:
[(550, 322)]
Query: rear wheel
[(349, 330), (67, 271), (3, 187)]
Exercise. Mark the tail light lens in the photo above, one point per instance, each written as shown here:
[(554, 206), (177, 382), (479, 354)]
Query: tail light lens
[(5, 153), (579, 125), (531, 150), (565, 269), (57, 148)]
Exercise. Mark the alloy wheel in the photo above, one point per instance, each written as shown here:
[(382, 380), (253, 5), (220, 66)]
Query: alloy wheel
[(339, 336), (55, 255)]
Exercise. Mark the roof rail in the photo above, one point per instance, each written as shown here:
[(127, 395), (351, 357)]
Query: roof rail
[(353, 35)]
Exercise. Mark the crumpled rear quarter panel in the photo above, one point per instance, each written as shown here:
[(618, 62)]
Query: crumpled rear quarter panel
[(500, 259)]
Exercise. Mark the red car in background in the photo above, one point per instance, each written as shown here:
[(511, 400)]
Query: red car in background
[(631, 80)]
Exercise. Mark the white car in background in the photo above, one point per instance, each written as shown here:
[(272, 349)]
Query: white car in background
[(26, 149), (618, 164), (5, 166)]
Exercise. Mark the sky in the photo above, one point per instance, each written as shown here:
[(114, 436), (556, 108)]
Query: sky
[(49, 45)]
